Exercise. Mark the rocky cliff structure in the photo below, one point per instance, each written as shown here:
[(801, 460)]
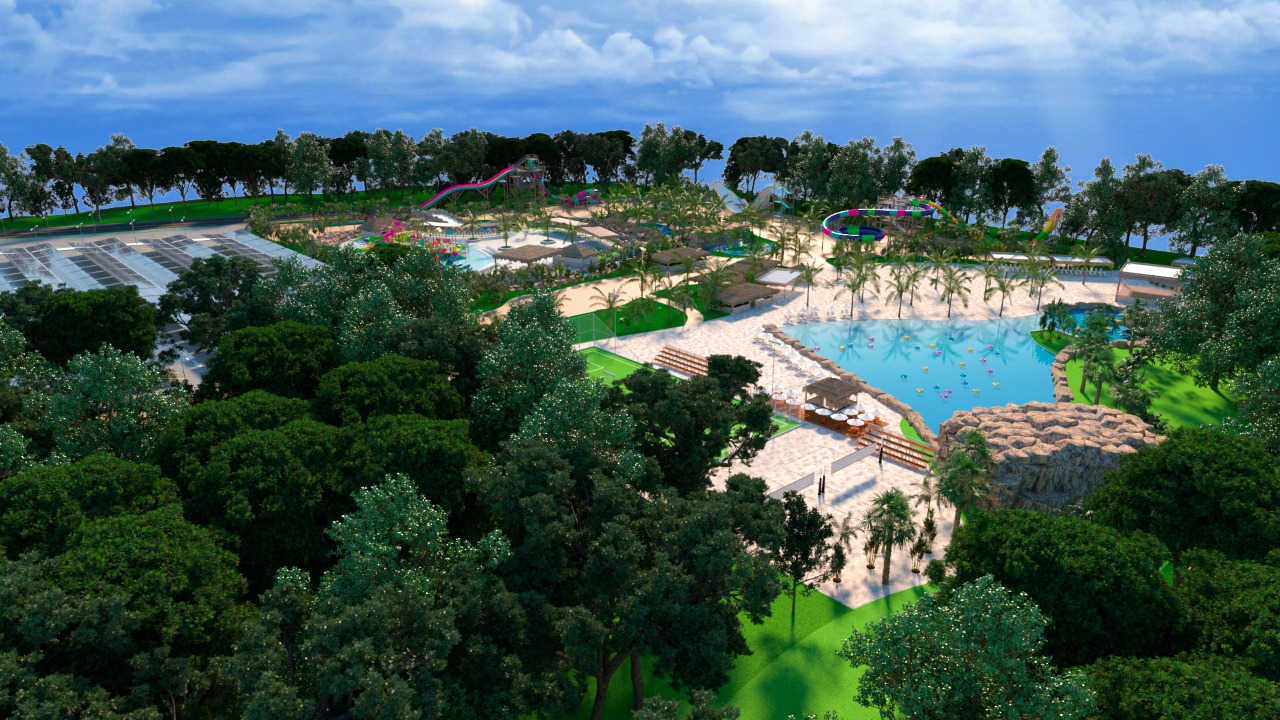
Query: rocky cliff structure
[(1048, 455)]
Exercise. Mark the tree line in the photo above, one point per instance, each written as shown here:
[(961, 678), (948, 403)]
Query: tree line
[(1109, 208)]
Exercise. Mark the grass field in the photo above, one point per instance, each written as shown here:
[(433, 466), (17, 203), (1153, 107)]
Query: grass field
[(196, 209), (699, 306), (793, 668), (1181, 402), (661, 317)]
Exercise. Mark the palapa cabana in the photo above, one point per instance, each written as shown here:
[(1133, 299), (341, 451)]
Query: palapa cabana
[(744, 294), (832, 393), (577, 256), (528, 254), (670, 260), (739, 269)]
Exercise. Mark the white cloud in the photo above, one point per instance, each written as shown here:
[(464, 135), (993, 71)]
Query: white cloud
[(734, 54)]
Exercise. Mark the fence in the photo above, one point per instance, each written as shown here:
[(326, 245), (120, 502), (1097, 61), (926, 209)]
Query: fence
[(851, 458), (797, 486)]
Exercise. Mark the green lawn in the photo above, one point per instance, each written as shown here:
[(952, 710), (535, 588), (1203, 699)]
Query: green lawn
[(793, 668), (661, 317), (1181, 402), (699, 306), (910, 432)]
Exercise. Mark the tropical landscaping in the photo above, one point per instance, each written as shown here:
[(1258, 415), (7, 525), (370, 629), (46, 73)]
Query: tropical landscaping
[(406, 488)]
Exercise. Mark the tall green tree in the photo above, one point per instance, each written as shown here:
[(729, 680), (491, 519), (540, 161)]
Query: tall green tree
[(976, 654), (608, 574), (964, 473), (1183, 688), (109, 401), (63, 323), (44, 506), (533, 351), (271, 493), (286, 359), (804, 553), (1206, 211), (309, 167), (205, 294), (688, 427), (1008, 184), (1093, 348), (1223, 323), (1104, 591), (380, 635), (1199, 488), (390, 385), (1233, 609)]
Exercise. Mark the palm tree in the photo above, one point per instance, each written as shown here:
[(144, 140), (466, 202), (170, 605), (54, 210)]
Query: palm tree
[(686, 265), (862, 271), (964, 475), (991, 270), (1039, 273), (610, 302), (904, 275), (712, 280), (889, 521), (1088, 253), (938, 262), (808, 275), (1006, 285), (800, 245), (955, 283)]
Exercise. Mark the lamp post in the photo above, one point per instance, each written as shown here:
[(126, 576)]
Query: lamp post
[(79, 231), (170, 216), (135, 232)]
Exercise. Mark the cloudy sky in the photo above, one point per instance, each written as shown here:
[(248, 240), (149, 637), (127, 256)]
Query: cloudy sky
[(1191, 82)]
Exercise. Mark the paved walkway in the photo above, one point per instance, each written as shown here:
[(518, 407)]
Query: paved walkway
[(809, 448)]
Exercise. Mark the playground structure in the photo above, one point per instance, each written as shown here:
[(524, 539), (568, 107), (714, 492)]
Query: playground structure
[(445, 249), (524, 177), (892, 209)]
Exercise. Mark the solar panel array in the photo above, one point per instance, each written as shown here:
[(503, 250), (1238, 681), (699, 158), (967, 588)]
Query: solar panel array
[(148, 265)]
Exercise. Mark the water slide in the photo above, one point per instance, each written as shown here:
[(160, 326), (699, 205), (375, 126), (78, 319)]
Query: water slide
[(528, 164), (590, 196), (730, 198), (868, 233), (771, 195), (1054, 218)]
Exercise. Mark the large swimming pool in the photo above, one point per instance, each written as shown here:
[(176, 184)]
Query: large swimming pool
[(939, 367)]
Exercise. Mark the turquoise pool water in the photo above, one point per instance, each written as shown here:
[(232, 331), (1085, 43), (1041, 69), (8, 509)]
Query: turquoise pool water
[(476, 259), (939, 367), (1119, 332)]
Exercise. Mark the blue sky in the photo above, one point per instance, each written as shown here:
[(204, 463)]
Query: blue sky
[(1190, 82)]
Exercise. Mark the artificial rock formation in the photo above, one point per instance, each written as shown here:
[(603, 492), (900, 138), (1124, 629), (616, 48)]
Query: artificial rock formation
[(1048, 455)]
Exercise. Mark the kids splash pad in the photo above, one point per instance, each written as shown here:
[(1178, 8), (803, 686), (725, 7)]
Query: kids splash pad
[(939, 367)]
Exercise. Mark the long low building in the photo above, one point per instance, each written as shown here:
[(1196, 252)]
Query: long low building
[(149, 265)]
